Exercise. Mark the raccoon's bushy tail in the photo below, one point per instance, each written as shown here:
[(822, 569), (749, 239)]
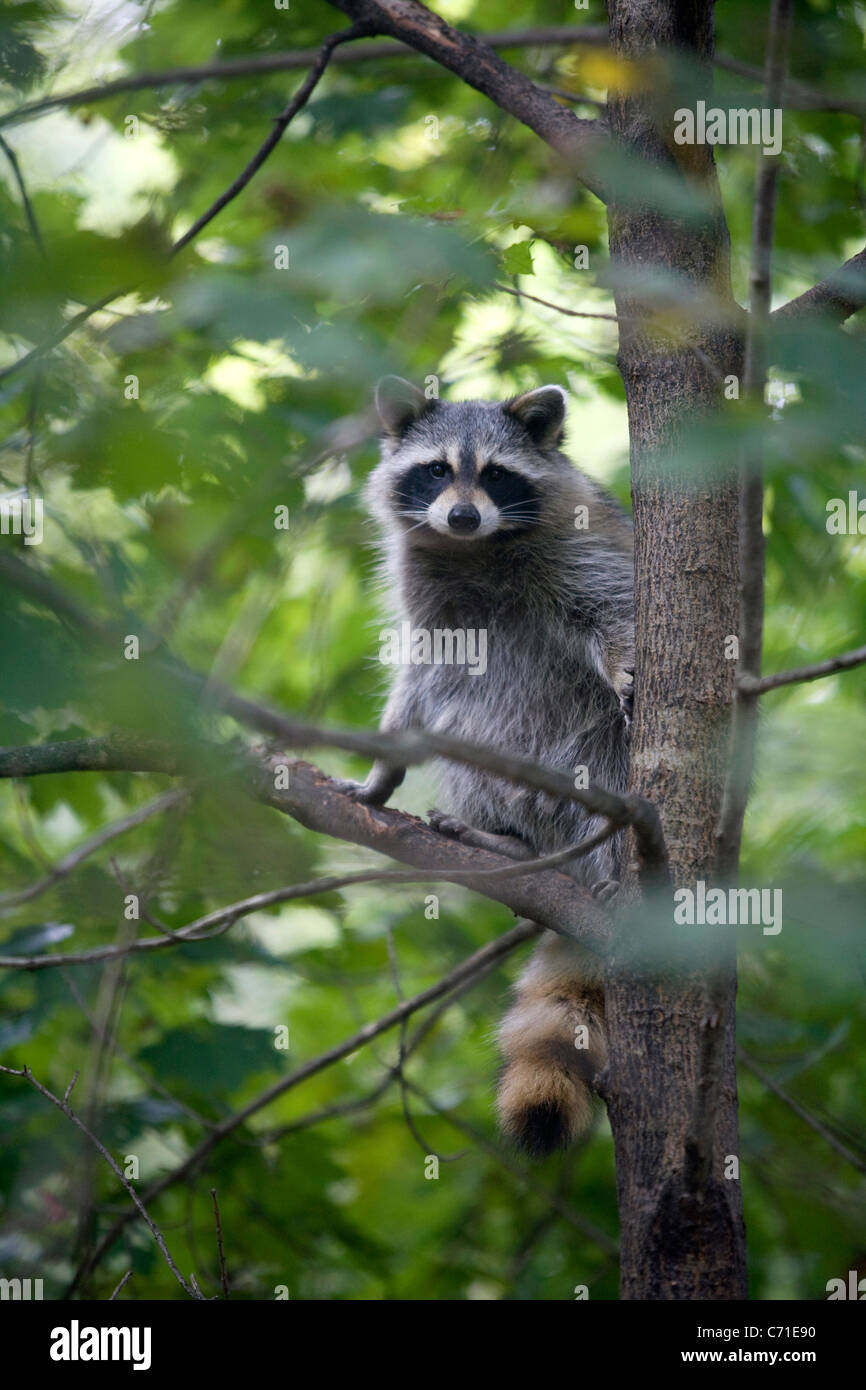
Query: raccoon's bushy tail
[(553, 1044)]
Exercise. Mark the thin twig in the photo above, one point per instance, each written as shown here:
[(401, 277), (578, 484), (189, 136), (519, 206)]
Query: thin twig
[(127, 890), (36, 384), (714, 370), (844, 662), (224, 1278), (700, 1136), (550, 1199), (560, 308), (70, 861), (144, 1076), (127, 1275), (280, 124), (142, 1211), (62, 333), (811, 1120), (798, 95), (751, 529), (412, 1127), (493, 951), (25, 197), (205, 927), (300, 99), (422, 1032), (263, 65)]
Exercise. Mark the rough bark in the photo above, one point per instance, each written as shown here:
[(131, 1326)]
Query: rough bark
[(673, 1124)]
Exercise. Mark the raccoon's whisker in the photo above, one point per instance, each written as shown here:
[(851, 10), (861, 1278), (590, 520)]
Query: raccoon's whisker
[(418, 524)]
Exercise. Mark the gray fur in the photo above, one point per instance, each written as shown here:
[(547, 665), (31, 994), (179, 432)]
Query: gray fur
[(557, 604)]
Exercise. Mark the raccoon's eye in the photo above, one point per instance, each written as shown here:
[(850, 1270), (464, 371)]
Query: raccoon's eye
[(493, 473), (438, 470)]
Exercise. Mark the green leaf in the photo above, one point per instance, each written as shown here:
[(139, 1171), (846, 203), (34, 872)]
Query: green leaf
[(517, 258)]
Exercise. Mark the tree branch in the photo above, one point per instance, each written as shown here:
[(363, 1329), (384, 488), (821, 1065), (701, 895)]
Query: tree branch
[(798, 95), (551, 898), (404, 748), (224, 1278), (758, 685), (392, 1072), (701, 1132), (560, 309), (299, 100), (811, 1120), (70, 861), (835, 299), (127, 1275), (479, 960), (63, 332), (563, 1208), (25, 197), (581, 143), (751, 528)]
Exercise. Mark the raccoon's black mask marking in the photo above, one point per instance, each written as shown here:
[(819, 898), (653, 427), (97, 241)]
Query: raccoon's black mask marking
[(513, 494), (418, 488)]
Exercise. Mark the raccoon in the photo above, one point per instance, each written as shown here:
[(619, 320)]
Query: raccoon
[(487, 526)]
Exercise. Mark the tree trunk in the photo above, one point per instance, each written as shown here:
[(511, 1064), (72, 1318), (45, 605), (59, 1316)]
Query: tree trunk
[(670, 1085)]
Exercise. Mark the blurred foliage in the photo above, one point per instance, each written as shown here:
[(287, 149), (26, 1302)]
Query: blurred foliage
[(162, 438)]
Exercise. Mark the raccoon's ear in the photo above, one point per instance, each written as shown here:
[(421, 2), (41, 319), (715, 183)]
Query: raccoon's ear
[(542, 414), (399, 403)]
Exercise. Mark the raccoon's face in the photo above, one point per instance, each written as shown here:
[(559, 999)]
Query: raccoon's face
[(452, 473)]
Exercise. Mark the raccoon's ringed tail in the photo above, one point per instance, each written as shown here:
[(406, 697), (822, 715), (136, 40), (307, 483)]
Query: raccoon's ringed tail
[(553, 1045)]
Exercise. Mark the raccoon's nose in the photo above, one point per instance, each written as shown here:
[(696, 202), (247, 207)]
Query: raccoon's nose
[(464, 517)]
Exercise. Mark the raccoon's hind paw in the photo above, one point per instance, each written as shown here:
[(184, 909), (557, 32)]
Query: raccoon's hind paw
[(510, 845), (604, 889)]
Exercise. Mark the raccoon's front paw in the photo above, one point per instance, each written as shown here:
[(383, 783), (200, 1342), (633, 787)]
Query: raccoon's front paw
[(626, 695), (366, 793), (382, 780), (447, 825), (604, 889)]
